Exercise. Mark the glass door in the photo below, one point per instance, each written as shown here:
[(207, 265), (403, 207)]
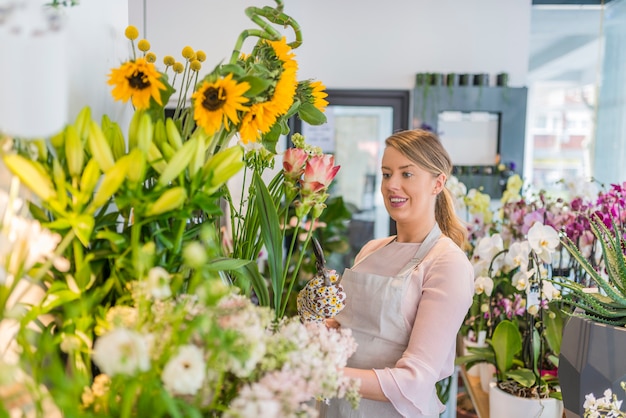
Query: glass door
[(358, 122)]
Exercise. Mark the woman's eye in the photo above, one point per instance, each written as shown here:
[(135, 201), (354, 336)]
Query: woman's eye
[(407, 174), (386, 175)]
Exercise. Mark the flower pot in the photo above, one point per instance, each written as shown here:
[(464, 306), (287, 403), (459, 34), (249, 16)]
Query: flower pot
[(503, 404), (476, 369), (591, 361)]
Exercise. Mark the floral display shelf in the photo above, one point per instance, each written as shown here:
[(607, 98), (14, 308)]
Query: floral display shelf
[(480, 398)]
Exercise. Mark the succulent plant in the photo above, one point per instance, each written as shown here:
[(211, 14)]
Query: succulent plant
[(607, 304)]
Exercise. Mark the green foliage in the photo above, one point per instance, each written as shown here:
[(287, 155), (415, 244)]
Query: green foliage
[(608, 304)]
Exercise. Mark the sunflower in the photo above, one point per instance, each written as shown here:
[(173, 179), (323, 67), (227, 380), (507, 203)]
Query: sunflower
[(218, 102), (259, 119), (319, 95), (138, 80)]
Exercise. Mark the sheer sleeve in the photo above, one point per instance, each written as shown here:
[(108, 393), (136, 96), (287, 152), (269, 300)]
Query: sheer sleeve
[(438, 299)]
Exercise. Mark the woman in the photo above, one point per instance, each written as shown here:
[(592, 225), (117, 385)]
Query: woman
[(408, 294)]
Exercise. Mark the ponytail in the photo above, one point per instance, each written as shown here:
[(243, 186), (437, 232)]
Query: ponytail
[(448, 221)]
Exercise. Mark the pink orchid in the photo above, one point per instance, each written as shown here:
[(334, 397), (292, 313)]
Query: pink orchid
[(293, 162), (319, 173)]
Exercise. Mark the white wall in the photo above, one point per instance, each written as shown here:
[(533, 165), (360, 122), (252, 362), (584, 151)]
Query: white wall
[(358, 43)]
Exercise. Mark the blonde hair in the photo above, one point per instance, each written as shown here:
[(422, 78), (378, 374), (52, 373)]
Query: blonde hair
[(425, 149)]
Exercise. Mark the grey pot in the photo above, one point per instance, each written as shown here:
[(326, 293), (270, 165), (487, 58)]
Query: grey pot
[(592, 359)]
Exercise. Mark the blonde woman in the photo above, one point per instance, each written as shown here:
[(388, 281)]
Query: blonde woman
[(407, 294)]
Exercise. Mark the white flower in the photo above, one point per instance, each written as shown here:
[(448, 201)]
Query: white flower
[(520, 279), (159, 283), (543, 240), (184, 373), (483, 284), (121, 351), (518, 255), (488, 247), (549, 291)]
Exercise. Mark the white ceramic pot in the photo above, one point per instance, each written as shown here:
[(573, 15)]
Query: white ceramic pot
[(503, 404)]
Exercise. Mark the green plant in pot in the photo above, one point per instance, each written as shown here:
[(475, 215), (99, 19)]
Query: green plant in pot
[(524, 317), (608, 304)]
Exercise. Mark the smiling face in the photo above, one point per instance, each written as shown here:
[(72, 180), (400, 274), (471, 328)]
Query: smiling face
[(408, 190)]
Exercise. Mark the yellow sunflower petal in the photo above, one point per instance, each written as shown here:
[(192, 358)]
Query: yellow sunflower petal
[(217, 103)]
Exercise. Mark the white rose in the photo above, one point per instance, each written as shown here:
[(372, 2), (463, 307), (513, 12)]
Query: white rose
[(121, 351), (184, 373)]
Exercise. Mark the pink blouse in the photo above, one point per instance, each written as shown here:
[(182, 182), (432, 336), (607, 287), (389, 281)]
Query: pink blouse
[(434, 306)]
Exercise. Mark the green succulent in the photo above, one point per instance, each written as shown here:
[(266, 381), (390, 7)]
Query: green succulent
[(608, 304)]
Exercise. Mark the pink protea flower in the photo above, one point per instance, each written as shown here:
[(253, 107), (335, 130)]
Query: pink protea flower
[(319, 173), (294, 160)]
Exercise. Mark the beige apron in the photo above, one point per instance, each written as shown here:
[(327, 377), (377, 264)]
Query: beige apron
[(374, 314)]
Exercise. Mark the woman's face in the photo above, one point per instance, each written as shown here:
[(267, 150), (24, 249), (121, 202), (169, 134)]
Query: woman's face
[(408, 190)]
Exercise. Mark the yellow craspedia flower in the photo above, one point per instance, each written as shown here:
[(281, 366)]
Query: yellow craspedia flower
[(318, 91), (200, 56), (131, 32), (151, 57), (178, 67), (143, 45), (216, 103), (195, 65), (188, 52), (137, 80), (169, 60)]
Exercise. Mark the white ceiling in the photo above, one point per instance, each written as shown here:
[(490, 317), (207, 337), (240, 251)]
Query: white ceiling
[(565, 43)]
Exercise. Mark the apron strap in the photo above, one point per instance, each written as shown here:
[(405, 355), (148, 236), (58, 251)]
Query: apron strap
[(420, 254)]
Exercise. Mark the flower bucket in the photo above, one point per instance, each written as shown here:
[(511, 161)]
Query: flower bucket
[(503, 404)]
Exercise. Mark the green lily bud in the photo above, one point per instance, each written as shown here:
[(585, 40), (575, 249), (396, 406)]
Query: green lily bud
[(179, 162), (99, 147), (58, 140), (74, 153), (221, 167), (170, 200), (160, 134), (133, 129), (58, 178), (90, 177), (31, 174), (82, 122), (137, 166), (155, 158), (145, 132), (116, 139), (111, 182), (197, 161), (173, 134), (168, 151)]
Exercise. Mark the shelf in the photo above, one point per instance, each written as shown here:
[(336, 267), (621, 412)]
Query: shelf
[(479, 397)]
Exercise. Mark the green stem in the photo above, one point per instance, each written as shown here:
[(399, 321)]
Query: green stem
[(297, 268)]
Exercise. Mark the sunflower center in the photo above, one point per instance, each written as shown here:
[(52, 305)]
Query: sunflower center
[(138, 81), (213, 99)]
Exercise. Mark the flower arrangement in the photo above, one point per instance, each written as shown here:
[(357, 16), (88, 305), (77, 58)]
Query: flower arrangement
[(606, 406), (515, 312), (151, 273)]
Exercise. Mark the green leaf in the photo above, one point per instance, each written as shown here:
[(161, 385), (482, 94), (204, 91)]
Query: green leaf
[(524, 377), (506, 342), (257, 85), (272, 237), (270, 139), (83, 226), (247, 270), (311, 114)]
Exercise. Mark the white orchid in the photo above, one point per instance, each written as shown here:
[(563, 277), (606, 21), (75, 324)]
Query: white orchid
[(543, 240), (488, 247), (483, 284), (518, 255)]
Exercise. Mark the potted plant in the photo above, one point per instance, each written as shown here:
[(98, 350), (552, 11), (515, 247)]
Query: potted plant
[(524, 322), (593, 339)]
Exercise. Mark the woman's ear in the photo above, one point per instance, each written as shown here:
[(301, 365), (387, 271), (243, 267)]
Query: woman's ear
[(440, 183)]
